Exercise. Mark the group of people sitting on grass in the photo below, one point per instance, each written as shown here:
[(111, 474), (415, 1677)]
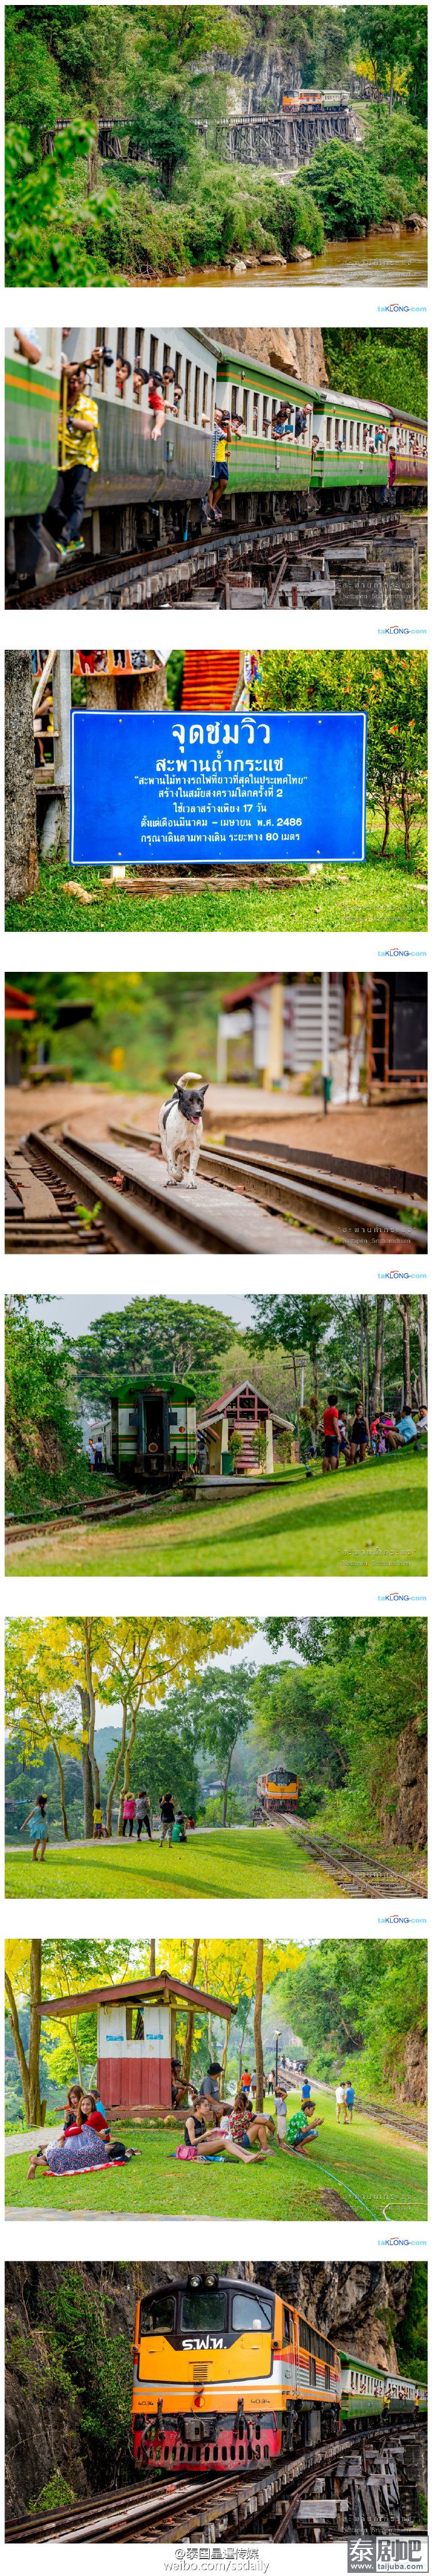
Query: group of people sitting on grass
[(84, 2141), (239, 2129), (212, 2127), (356, 1442)]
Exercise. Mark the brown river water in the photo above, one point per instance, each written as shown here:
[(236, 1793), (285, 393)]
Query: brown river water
[(382, 260)]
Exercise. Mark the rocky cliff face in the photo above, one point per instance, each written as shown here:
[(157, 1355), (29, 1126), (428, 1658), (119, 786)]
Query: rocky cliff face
[(261, 79), (360, 2304), (414, 2087), (408, 1823), (300, 353)]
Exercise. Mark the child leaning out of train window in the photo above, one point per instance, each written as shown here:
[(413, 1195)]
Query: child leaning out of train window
[(156, 402)]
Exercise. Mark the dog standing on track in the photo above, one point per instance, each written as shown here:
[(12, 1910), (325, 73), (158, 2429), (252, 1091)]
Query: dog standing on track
[(181, 1130)]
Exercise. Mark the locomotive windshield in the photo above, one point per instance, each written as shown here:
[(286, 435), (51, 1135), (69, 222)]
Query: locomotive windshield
[(250, 2313), (157, 2314), (203, 2311)]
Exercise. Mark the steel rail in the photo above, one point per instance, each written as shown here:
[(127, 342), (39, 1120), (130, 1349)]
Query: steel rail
[(135, 1216), (198, 2499), (175, 2511), (326, 1206)]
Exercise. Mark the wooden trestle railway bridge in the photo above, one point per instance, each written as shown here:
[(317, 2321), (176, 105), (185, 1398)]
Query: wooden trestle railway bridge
[(288, 137)]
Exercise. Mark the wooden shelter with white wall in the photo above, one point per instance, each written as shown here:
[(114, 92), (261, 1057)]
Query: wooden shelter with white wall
[(136, 2036)]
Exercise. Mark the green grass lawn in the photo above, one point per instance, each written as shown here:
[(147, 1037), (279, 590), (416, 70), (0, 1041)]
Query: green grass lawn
[(382, 896), (369, 1520), (366, 2165), (257, 1862)]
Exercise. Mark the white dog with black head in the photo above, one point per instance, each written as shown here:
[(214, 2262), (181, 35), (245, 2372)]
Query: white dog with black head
[(181, 1130)]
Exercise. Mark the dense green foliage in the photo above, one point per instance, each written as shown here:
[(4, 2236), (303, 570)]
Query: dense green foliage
[(412, 2334), (354, 2003), (44, 1455), (346, 186), (393, 689), (388, 367), (337, 1717), (136, 1031), (148, 1337), (160, 73), (42, 243)]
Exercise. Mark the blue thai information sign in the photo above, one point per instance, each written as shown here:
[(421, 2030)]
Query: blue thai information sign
[(225, 788)]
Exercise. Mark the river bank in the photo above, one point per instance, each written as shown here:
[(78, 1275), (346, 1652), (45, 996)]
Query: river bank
[(387, 259)]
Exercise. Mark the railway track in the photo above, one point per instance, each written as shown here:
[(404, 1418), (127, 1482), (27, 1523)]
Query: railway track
[(359, 1874), (322, 1197), (310, 557), (337, 1200), (364, 2474)]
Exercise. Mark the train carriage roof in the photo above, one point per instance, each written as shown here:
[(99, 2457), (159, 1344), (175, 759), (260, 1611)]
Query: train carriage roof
[(244, 369), (129, 1388), (409, 417)]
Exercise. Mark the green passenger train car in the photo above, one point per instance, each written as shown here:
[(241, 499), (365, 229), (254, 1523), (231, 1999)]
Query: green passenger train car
[(292, 445), (366, 2390), (32, 398)]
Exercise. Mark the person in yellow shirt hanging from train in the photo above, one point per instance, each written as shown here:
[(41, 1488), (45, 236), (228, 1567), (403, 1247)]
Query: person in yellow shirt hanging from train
[(78, 457)]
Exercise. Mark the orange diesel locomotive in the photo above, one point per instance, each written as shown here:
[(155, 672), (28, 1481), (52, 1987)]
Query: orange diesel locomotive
[(278, 1791), (225, 2373)]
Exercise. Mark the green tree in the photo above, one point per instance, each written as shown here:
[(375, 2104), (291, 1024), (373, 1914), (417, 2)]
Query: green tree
[(43, 1445), (347, 189), (36, 1714), (220, 1709), (151, 1336), (161, 129), (392, 687), (295, 1324), (385, 367)]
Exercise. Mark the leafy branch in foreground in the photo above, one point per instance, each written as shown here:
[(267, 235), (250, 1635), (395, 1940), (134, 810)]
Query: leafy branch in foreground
[(43, 241)]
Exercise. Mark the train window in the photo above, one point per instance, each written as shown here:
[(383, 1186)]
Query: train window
[(250, 2313), (358, 433), (245, 409), (288, 2326), (121, 343), (203, 2311), (264, 414), (154, 345), (312, 2371), (255, 415), (205, 400), (234, 402), (328, 430), (187, 389), (351, 433), (197, 395), (157, 2315), (166, 354)]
